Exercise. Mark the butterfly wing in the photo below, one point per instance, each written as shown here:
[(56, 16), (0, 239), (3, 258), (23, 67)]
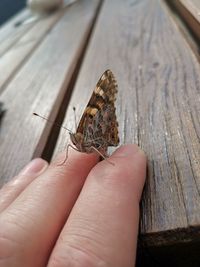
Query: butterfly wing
[(98, 123)]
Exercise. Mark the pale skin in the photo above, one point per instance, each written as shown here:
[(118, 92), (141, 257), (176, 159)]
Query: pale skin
[(82, 213)]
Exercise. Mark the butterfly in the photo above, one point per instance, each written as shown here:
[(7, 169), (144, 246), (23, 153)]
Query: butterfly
[(98, 126)]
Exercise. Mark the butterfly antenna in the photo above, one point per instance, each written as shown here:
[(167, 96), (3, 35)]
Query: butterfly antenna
[(52, 122), (76, 126)]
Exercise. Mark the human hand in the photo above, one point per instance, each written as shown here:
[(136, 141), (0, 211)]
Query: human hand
[(82, 213)]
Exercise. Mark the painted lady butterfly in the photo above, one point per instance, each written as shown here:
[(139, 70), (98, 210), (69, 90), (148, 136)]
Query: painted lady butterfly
[(98, 127)]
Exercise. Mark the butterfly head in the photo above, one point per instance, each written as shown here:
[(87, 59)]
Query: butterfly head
[(77, 140)]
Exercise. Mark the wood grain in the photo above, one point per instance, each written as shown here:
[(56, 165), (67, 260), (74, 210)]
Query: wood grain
[(39, 86), (158, 108), (13, 58)]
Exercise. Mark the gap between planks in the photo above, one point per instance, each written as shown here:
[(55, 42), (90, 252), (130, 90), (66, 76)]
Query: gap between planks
[(55, 131), (20, 52), (186, 14), (10, 33)]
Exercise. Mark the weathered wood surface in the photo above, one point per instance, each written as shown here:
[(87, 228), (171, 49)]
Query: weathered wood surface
[(190, 11), (193, 6), (39, 86), (10, 32), (24, 46), (158, 108)]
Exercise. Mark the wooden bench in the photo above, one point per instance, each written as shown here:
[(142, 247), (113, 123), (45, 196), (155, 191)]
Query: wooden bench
[(52, 64)]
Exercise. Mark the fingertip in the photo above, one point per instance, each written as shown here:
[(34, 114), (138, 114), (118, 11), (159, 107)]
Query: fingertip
[(63, 161), (126, 155), (129, 150), (128, 166), (35, 167), (134, 163)]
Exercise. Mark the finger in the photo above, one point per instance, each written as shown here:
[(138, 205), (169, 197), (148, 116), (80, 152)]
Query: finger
[(31, 224), (103, 225), (13, 188)]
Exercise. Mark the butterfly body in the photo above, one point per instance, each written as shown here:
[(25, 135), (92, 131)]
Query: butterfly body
[(98, 127)]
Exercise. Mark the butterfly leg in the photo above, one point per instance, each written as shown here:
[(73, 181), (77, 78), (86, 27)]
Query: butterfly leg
[(66, 156), (97, 151)]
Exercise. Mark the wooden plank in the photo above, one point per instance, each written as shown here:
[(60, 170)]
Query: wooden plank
[(13, 30), (193, 6), (183, 26), (190, 12), (40, 86), (158, 107), (13, 58), (7, 28)]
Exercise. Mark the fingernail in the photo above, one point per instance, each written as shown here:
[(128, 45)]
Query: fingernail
[(36, 166)]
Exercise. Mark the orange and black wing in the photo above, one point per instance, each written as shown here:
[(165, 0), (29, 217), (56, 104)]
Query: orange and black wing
[(98, 122)]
